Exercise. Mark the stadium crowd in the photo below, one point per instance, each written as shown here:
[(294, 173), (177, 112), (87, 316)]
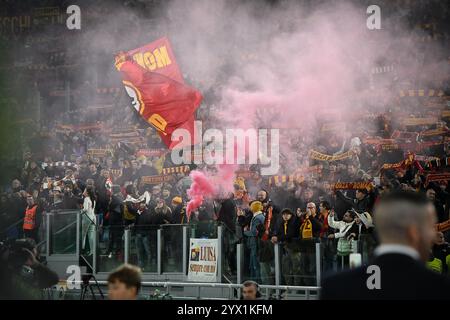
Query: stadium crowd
[(330, 200), (119, 173)]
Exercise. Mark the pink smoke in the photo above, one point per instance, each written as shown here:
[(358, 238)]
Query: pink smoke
[(208, 185), (291, 64), (225, 177), (201, 187)]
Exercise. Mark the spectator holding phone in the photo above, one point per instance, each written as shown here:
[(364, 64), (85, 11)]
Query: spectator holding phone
[(344, 243)]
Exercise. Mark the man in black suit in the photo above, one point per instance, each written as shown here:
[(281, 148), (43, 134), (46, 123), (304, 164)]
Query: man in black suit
[(405, 225)]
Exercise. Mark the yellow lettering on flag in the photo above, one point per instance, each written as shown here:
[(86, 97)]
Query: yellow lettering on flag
[(162, 57), (139, 59), (158, 122), (149, 60)]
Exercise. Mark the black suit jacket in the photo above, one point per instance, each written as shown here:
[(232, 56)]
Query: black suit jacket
[(402, 277)]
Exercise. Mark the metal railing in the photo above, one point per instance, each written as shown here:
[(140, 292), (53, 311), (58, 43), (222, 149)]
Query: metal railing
[(234, 290), (4, 232), (277, 283)]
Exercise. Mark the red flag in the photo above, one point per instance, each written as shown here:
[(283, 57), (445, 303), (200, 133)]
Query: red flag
[(163, 102), (158, 57)]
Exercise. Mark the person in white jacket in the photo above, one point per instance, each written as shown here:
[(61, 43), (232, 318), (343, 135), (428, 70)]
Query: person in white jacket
[(88, 219), (344, 246)]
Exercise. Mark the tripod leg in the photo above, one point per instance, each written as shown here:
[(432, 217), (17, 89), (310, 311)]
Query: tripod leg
[(83, 291), (98, 287), (92, 292), (101, 292)]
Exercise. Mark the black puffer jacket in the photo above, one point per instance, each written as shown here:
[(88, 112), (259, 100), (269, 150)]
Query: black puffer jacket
[(116, 210), (363, 205)]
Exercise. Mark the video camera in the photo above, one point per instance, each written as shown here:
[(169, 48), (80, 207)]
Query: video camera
[(13, 251), (15, 254)]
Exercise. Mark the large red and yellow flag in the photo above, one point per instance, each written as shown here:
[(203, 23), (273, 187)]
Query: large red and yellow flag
[(153, 80)]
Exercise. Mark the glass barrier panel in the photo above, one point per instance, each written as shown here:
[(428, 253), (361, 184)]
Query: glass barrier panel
[(172, 248), (298, 262), (229, 254), (110, 248), (42, 237), (204, 229), (143, 247), (259, 260), (64, 232), (367, 245), (329, 258)]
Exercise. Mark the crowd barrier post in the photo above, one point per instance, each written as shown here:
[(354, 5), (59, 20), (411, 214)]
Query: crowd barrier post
[(49, 230), (159, 250), (318, 265), (127, 246), (185, 249), (219, 253), (239, 267), (78, 238), (277, 267)]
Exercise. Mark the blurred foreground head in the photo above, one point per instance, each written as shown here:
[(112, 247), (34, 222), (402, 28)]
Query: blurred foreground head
[(124, 283), (406, 218)]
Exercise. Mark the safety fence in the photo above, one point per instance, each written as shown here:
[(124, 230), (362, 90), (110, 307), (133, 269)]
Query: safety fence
[(163, 251)]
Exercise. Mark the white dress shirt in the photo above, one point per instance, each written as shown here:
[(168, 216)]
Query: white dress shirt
[(398, 249)]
